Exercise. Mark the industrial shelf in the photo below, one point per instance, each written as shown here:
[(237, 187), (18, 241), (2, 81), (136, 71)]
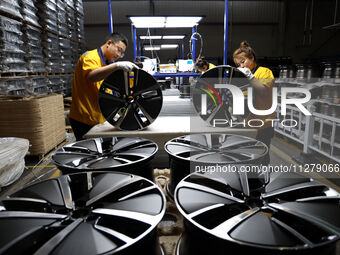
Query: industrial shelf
[(311, 136)]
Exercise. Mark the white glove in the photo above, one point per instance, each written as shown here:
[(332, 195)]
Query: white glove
[(127, 66), (246, 71)]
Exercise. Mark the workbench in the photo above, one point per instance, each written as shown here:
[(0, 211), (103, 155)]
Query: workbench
[(164, 128)]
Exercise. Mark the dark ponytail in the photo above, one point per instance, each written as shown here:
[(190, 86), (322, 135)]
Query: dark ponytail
[(246, 49), (201, 62)]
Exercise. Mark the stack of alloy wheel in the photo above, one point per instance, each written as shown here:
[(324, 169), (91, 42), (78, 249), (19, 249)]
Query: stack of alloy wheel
[(185, 90), (194, 152), (290, 214), (83, 213), (129, 101), (126, 154)]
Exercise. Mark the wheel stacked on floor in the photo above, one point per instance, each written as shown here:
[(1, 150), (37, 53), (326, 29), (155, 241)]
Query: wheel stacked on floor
[(126, 154), (292, 214), (83, 213), (194, 152)]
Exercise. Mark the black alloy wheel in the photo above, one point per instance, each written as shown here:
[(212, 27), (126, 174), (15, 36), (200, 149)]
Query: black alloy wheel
[(292, 214), (83, 213), (130, 100), (218, 102), (199, 151), (126, 154)]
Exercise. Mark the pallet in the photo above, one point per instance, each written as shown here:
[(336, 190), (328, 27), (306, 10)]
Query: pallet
[(10, 16), (46, 30), (13, 74), (27, 22), (47, 154), (30, 74)]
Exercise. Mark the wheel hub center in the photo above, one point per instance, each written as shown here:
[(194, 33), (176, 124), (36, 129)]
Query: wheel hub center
[(255, 199), (81, 213)]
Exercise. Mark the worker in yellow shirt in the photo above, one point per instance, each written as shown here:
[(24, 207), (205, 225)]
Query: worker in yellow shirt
[(92, 68), (202, 65), (262, 81)]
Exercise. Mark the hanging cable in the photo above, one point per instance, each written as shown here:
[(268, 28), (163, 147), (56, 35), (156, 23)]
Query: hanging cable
[(151, 46), (191, 44)]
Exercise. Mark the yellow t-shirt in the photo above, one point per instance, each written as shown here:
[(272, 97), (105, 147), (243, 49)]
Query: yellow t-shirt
[(210, 66), (266, 77), (84, 107)]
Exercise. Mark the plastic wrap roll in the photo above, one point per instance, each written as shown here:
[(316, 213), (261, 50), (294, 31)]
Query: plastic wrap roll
[(12, 162)]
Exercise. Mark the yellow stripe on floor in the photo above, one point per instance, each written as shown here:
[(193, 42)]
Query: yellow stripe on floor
[(56, 174), (40, 166)]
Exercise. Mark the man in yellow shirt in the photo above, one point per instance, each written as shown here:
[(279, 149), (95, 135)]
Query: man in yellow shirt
[(262, 80), (92, 68)]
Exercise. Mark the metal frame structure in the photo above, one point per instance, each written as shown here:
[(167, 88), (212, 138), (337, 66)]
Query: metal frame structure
[(135, 51), (225, 50), (110, 16), (306, 134)]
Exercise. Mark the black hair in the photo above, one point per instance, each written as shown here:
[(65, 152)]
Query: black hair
[(246, 49), (116, 37), (201, 63)]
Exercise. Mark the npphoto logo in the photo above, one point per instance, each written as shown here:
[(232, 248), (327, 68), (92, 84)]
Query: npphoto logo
[(223, 97)]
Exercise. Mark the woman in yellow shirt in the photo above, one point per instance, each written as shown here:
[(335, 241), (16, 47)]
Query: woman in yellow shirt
[(262, 81), (203, 65)]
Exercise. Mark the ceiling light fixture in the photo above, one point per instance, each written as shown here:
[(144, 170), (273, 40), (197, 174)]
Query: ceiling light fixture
[(154, 37), (163, 21), (150, 48), (173, 36), (169, 46)]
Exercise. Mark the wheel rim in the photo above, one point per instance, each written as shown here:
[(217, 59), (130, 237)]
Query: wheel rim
[(218, 100), (198, 152), (130, 101), (291, 213), (105, 153), (216, 148), (86, 213)]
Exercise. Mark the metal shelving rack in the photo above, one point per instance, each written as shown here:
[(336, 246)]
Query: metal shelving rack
[(318, 132), (53, 32)]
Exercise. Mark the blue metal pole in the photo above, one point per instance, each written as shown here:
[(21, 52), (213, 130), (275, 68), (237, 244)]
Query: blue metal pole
[(110, 16), (134, 43), (183, 49), (193, 44), (225, 32), (139, 48)]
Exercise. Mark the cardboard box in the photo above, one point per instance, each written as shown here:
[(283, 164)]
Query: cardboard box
[(39, 118)]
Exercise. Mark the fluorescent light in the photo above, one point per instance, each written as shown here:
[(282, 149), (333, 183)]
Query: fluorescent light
[(162, 21), (182, 21), (173, 36), (158, 37), (169, 46), (151, 37), (146, 22), (149, 48)]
